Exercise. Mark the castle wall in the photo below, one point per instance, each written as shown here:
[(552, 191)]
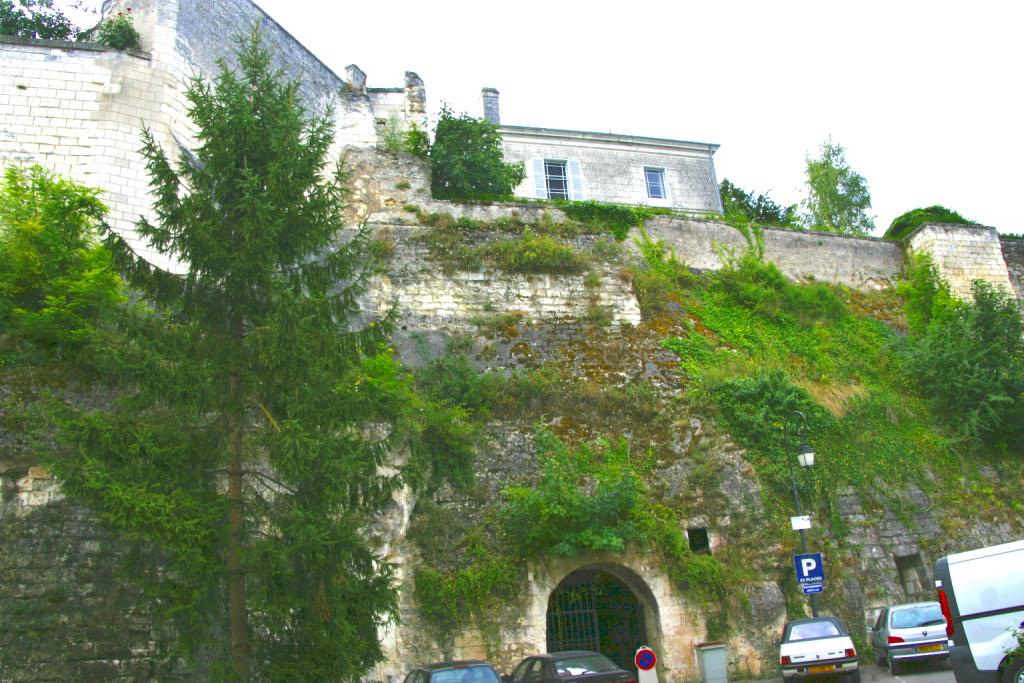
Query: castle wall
[(861, 263), (1013, 255), (79, 111), (963, 254), (429, 298)]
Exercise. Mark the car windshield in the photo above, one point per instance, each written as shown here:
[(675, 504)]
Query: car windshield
[(480, 673), (913, 617), (581, 665), (812, 629)]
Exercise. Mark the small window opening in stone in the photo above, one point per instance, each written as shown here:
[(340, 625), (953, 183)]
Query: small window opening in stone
[(699, 541), (913, 576)]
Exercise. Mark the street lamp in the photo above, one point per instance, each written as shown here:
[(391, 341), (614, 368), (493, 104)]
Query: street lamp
[(805, 456)]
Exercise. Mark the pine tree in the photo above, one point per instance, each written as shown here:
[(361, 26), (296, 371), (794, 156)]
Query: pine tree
[(246, 444)]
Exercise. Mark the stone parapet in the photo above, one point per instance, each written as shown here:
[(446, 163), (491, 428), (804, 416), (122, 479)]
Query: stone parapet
[(857, 262)]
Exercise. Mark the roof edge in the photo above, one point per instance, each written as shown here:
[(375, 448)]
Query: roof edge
[(608, 137)]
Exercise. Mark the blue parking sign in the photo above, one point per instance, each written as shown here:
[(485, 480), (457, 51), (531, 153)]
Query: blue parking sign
[(810, 572)]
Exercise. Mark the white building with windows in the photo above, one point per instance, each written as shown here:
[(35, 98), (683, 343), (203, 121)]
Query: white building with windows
[(607, 167)]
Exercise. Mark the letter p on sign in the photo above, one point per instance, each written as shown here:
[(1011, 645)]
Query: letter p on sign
[(809, 569)]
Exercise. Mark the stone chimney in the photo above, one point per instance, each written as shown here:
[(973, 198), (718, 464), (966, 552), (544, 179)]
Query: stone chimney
[(355, 79), (415, 100), (490, 98)]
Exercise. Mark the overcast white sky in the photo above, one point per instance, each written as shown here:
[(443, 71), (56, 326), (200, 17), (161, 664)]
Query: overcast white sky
[(926, 97)]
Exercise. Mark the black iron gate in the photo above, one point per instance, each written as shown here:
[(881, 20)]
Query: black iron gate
[(593, 610)]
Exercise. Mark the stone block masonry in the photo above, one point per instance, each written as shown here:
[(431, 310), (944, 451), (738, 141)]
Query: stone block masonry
[(963, 254), (428, 298), (860, 263), (1013, 255)]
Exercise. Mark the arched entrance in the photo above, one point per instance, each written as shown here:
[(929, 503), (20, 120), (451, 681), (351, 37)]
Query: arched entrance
[(592, 609)]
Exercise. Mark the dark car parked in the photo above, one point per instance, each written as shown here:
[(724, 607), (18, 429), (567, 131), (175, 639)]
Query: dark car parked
[(574, 665), (463, 671)]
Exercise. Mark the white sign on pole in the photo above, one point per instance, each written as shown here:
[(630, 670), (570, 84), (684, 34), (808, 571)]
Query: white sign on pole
[(802, 522)]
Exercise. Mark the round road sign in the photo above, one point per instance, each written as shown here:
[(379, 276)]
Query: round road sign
[(645, 659)]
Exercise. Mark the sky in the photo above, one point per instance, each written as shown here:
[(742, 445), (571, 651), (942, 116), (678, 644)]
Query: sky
[(927, 98)]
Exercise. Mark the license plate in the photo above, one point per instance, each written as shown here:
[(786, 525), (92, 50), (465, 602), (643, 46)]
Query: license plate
[(935, 647), (821, 669)]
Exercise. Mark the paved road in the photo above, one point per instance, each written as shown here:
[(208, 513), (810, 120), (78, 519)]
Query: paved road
[(936, 672)]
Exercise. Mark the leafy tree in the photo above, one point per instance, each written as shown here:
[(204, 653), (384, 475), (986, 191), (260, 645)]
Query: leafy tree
[(467, 161), (738, 204), (969, 362), (34, 19), (910, 221), (253, 415), (56, 279), (837, 196)]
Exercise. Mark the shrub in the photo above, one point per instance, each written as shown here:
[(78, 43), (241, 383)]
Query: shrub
[(535, 254), (614, 218), (741, 206), (416, 142), (969, 363), (56, 280), (925, 294), (585, 499), (118, 32), (907, 223), (762, 287), (392, 136), (467, 161)]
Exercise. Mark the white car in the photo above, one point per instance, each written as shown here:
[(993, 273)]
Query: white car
[(817, 647)]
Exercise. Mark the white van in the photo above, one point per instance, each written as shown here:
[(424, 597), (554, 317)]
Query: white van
[(982, 597)]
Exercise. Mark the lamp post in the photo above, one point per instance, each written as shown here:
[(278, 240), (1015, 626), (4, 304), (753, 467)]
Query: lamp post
[(805, 456)]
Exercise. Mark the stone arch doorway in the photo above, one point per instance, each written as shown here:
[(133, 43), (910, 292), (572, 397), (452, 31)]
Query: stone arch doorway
[(595, 608)]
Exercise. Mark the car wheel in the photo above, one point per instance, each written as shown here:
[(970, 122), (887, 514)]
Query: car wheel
[(894, 666), (854, 676), (880, 657), (1014, 672)]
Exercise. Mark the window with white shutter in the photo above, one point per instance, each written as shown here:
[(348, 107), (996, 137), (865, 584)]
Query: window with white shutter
[(540, 187), (575, 181)]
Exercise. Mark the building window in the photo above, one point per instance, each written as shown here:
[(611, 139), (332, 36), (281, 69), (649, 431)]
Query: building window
[(655, 178), (556, 179), (699, 540), (913, 575)]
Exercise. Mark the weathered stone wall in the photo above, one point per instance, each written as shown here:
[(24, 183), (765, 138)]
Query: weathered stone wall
[(862, 263), (1013, 255), (429, 298), (80, 109), (67, 614), (963, 254), (614, 171)]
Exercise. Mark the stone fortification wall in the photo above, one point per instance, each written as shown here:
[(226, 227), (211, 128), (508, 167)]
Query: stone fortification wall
[(67, 613), (1013, 255), (79, 111), (430, 299), (963, 254), (861, 263)]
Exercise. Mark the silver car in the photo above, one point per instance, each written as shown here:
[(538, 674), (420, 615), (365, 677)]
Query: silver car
[(911, 632)]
